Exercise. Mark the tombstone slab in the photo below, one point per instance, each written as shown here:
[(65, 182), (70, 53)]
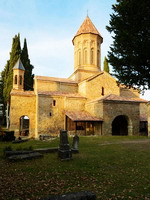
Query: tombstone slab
[(64, 151), (75, 144), (25, 156)]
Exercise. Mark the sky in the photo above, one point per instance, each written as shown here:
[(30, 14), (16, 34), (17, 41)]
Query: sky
[(49, 27)]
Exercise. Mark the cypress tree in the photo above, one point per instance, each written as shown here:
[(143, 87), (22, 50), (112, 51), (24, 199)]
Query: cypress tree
[(106, 66), (28, 76), (7, 74)]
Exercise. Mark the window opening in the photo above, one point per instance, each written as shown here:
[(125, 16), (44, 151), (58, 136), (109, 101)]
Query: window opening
[(92, 56), (102, 91), (15, 79), (54, 102), (20, 80)]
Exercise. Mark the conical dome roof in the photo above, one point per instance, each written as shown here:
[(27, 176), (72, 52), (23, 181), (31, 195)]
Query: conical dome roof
[(19, 65), (87, 27)]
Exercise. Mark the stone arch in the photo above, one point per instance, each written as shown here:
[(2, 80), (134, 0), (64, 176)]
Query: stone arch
[(24, 125), (121, 125)]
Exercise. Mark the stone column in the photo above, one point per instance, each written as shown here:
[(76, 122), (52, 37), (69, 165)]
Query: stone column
[(130, 130)]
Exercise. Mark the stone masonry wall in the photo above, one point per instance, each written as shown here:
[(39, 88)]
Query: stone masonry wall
[(22, 106), (130, 93), (95, 108), (56, 86), (94, 86), (51, 119), (143, 109), (77, 104), (114, 109)]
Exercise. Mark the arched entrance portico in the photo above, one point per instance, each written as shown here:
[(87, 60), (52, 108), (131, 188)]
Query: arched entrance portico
[(120, 125), (24, 126)]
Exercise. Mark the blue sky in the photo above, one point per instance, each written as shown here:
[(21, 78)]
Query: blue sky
[(49, 26)]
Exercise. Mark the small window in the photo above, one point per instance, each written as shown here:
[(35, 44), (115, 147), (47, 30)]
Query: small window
[(102, 91), (54, 102), (79, 57), (15, 79), (20, 80), (92, 56), (50, 114)]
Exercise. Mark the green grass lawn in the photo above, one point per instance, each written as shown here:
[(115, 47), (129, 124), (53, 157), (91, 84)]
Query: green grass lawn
[(112, 171)]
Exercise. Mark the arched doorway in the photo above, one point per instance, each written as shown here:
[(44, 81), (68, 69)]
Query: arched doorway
[(24, 126), (120, 125)]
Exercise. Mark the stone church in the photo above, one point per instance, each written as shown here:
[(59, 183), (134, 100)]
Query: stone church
[(89, 102)]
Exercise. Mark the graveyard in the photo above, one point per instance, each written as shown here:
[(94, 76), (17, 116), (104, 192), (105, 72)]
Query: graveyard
[(110, 167)]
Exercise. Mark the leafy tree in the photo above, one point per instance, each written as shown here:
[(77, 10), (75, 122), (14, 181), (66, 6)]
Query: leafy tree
[(28, 76), (106, 66), (129, 53)]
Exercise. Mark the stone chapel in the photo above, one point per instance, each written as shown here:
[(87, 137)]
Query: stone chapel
[(89, 102)]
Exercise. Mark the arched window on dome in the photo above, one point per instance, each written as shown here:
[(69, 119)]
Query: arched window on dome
[(85, 56), (79, 57), (98, 57), (15, 79), (92, 56)]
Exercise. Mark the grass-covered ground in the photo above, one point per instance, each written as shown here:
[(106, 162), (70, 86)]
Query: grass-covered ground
[(105, 165)]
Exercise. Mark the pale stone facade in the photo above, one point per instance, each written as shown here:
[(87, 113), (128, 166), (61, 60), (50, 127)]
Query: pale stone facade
[(88, 102)]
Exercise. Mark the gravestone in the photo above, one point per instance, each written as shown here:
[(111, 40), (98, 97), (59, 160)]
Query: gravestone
[(64, 151), (75, 144)]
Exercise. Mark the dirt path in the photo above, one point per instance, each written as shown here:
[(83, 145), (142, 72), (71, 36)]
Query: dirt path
[(128, 142)]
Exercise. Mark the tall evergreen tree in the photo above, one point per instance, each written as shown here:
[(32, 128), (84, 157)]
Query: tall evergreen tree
[(7, 73), (129, 53), (28, 76), (106, 66)]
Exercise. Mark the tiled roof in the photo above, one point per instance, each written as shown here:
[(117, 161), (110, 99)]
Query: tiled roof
[(46, 78), (19, 65), (143, 118), (22, 93), (59, 93), (81, 116), (113, 97), (87, 27)]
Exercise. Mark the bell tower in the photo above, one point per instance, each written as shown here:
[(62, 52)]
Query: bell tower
[(18, 76), (87, 51)]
